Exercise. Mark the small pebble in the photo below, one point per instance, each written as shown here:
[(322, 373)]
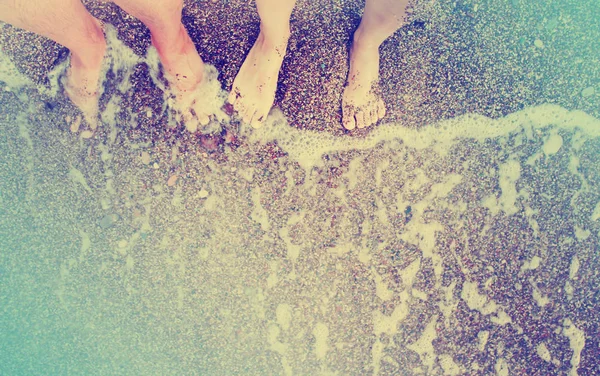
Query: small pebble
[(145, 158), (155, 165), (108, 221), (229, 137), (588, 92), (172, 180), (538, 43), (203, 193), (87, 134)]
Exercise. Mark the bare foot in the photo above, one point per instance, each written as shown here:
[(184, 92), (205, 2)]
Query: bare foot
[(361, 102), (253, 90), (83, 76), (184, 69)]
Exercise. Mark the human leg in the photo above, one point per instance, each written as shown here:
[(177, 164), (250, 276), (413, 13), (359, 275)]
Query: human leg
[(183, 66), (253, 89), (68, 23), (361, 104)]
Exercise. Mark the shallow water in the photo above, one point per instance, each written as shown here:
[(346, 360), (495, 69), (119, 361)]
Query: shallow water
[(468, 246)]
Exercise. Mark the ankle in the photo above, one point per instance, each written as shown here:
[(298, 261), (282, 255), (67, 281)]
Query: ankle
[(89, 57), (363, 40), (171, 44), (274, 37), (90, 53), (96, 34)]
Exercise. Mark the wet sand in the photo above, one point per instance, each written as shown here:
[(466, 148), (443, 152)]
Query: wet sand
[(461, 247)]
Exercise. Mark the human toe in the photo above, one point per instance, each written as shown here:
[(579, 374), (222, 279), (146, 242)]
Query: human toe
[(360, 119), (233, 96), (381, 109), (259, 118), (256, 122), (240, 107), (374, 116), (348, 119), (248, 114), (190, 123), (203, 118), (369, 119), (191, 126)]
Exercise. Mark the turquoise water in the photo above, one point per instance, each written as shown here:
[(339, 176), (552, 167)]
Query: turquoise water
[(468, 246)]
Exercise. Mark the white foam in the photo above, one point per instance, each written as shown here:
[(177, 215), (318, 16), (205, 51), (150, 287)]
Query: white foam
[(576, 338), (209, 94), (307, 147), (476, 301), (284, 316), (553, 144), (501, 367), (259, 214), (540, 299), (531, 265), (279, 347), (483, 337), (424, 345), (581, 234), (574, 267), (449, 365), (120, 60), (321, 334), (10, 75), (543, 352), (596, 214)]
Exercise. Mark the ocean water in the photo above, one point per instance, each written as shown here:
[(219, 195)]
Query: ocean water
[(467, 246)]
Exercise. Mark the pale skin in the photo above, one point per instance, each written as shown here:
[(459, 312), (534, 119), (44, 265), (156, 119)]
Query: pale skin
[(68, 23), (362, 105), (254, 87)]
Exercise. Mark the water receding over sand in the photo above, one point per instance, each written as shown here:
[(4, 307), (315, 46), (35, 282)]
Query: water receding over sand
[(466, 246)]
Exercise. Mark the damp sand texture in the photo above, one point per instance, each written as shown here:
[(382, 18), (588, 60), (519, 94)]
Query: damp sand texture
[(461, 236)]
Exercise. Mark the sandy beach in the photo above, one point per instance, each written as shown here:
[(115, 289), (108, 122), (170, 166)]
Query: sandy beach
[(460, 236)]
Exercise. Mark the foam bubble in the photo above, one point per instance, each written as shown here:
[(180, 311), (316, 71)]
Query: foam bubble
[(10, 75)]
